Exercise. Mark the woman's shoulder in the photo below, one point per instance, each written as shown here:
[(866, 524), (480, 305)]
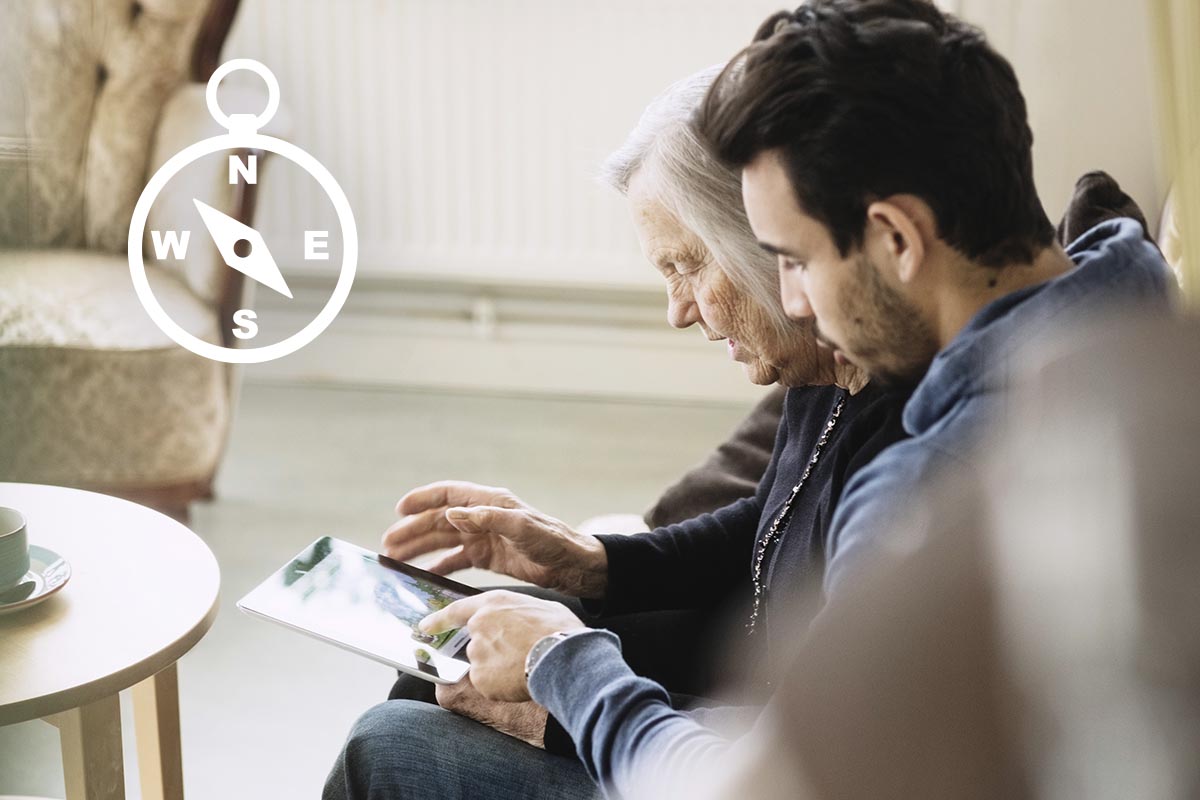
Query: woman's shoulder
[(805, 402), (888, 400), (874, 404), (875, 421)]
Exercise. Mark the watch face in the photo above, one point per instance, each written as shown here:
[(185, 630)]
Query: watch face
[(297, 268)]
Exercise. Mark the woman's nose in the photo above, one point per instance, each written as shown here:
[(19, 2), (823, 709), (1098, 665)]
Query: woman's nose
[(682, 312)]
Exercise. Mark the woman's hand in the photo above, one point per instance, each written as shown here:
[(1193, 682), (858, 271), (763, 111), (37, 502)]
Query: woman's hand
[(525, 721), (491, 529)]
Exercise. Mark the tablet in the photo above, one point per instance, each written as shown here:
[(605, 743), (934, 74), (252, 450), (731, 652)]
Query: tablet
[(367, 603)]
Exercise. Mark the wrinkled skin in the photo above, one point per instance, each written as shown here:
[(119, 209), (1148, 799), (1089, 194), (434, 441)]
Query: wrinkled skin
[(525, 721), (490, 528), (700, 292)]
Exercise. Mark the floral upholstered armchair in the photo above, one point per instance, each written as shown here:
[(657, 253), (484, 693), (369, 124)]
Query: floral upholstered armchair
[(97, 95)]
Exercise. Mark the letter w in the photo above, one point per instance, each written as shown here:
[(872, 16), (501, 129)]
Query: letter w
[(171, 241)]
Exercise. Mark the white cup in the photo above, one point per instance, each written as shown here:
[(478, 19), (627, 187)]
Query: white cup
[(14, 547)]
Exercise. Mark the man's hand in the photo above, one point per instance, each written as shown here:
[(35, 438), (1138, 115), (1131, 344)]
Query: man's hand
[(492, 529), (504, 627), (525, 721)]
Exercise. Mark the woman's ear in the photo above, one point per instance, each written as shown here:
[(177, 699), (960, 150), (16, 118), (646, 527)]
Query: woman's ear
[(896, 226)]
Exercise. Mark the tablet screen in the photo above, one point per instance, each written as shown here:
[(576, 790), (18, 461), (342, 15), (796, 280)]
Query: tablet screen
[(365, 602)]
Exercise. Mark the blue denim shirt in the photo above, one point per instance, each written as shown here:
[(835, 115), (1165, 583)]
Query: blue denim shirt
[(1117, 270), (623, 724)]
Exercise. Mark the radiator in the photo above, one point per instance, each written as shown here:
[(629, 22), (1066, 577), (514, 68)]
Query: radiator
[(467, 134)]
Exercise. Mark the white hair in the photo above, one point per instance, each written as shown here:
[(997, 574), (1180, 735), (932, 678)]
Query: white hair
[(703, 193)]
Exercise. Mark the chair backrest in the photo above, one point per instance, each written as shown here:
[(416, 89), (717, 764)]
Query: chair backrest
[(1170, 239), (84, 83)]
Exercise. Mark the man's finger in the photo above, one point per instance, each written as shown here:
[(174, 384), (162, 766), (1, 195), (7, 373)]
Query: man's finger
[(445, 493), (455, 615)]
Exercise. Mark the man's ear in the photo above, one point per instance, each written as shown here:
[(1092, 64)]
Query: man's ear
[(898, 227)]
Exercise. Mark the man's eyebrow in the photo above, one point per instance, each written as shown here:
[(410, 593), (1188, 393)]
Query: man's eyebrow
[(776, 250)]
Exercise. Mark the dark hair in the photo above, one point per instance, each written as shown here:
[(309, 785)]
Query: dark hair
[(870, 98)]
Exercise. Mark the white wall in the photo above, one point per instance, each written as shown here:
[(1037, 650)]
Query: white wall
[(467, 133), (1087, 73)]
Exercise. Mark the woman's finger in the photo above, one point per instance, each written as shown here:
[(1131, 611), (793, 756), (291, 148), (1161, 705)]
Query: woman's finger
[(514, 524), (453, 561), (412, 548), (447, 493), (416, 525)]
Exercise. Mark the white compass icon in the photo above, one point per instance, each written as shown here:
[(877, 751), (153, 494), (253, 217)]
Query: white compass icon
[(242, 247)]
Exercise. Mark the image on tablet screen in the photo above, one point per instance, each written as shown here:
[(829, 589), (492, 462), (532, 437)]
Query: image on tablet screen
[(340, 587)]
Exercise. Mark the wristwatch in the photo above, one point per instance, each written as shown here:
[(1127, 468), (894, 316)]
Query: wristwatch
[(545, 645)]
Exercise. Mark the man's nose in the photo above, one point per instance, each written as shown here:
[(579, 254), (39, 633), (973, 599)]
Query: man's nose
[(794, 298)]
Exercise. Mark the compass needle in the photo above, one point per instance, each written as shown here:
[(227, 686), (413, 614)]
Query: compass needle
[(243, 248)]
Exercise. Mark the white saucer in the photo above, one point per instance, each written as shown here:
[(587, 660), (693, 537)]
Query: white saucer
[(48, 572)]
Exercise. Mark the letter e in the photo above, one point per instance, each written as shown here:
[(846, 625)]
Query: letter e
[(314, 240)]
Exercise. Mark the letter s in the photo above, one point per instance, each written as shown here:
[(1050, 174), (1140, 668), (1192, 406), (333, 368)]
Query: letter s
[(248, 328)]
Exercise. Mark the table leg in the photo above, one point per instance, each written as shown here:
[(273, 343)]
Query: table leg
[(156, 725), (93, 765)]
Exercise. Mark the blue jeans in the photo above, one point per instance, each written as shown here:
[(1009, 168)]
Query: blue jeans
[(409, 749)]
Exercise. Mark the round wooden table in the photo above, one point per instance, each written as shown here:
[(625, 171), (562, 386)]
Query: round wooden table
[(143, 591)]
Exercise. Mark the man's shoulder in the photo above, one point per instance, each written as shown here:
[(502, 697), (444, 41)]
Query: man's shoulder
[(902, 466), (888, 493)]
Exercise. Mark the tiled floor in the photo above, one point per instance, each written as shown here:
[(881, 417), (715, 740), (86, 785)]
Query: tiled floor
[(264, 710)]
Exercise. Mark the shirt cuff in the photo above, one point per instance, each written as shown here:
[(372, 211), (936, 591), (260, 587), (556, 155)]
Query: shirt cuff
[(578, 666)]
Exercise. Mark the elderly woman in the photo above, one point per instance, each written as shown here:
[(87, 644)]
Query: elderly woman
[(689, 219)]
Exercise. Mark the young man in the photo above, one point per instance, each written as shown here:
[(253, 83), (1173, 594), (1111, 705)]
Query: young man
[(887, 161)]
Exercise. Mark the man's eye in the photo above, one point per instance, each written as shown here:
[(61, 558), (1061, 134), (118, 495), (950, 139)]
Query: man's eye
[(791, 263)]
